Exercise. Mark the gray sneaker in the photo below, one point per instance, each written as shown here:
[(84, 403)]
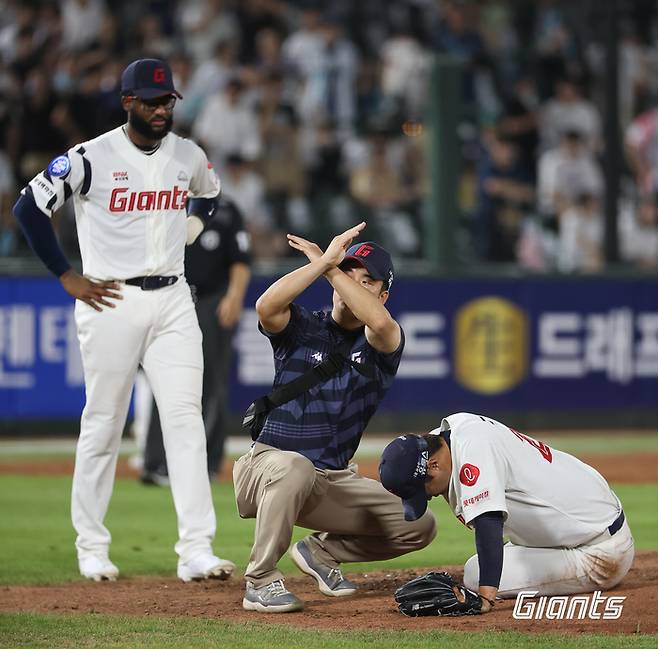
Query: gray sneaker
[(330, 580), (271, 598)]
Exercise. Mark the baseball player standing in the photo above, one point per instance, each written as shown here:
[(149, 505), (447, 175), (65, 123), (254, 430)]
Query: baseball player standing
[(298, 472), (566, 527), (130, 187)]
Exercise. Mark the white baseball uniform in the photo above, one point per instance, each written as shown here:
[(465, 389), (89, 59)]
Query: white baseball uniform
[(131, 222), (557, 510)]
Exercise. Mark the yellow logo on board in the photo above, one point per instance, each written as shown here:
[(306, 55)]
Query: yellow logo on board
[(491, 345)]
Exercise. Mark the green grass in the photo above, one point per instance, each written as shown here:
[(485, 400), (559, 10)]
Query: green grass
[(78, 632), (36, 537), (594, 444), (36, 545)]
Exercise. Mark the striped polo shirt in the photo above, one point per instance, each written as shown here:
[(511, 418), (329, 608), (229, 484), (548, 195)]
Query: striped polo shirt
[(325, 423)]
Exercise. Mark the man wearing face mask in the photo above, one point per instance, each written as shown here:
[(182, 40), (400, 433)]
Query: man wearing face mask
[(140, 194)]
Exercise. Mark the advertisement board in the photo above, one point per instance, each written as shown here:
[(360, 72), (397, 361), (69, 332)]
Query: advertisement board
[(471, 344)]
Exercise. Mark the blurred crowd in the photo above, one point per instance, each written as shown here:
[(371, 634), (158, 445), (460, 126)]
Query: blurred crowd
[(313, 114)]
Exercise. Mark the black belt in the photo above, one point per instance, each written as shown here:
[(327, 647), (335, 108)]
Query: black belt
[(616, 525), (152, 282)]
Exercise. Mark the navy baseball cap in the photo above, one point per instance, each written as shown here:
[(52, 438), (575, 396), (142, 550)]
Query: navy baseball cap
[(403, 470), (374, 259), (147, 79)]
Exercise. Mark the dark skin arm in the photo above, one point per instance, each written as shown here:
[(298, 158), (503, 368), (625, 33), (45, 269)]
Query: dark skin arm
[(90, 291)]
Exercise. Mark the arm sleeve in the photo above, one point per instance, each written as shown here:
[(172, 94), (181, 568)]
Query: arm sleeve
[(204, 208), (39, 233), (204, 182), (489, 544)]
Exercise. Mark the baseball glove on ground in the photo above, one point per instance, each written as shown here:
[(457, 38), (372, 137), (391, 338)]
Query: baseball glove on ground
[(436, 593)]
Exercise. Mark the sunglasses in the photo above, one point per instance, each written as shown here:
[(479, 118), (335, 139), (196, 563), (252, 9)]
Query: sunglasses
[(167, 101)]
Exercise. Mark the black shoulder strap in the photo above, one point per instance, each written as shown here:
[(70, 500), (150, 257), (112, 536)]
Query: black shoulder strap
[(316, 375)]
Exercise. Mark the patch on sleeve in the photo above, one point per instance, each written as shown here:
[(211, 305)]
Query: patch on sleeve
[(469, 474), (59, 166)]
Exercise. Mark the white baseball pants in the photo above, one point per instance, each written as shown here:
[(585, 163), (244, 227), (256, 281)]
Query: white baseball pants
[(159, 330), (599, 565)]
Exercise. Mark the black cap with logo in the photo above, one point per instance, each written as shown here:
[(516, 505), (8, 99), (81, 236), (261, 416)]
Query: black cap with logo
[(147, 79), (374, 259), (403, 470)]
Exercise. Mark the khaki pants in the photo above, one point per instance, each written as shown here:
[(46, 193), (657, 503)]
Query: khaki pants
[(359, 520)]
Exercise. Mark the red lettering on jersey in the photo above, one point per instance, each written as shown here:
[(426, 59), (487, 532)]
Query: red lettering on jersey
[(158, 75), (164, 200), (544, 450), (117, 202), (145, 201), (121, 201), (363, 251), (209, 165), (469, 474)]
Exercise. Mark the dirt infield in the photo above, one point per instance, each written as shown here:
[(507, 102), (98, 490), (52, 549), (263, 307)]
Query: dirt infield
[(371, 608), (629, 468)]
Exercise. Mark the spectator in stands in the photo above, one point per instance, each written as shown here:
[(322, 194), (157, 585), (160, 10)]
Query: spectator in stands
[(404, 75), (205, 24), (634, 72), (568, 110), (518, 122), (8, 239), (151, 39), (504, 196), (341, 64), (254, 16), (456, 34), (303, 48), (40, 139), (281, 164), (268, 57), (554, 45), (247, 189), (377, 181), (581, 236), (641, 143), (227, 124), (638, 232), (209, 78), (566, 172), (82, 21), (337, 71)]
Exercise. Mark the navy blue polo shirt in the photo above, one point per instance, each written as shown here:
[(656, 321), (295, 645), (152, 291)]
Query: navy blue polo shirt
[(325, 423)]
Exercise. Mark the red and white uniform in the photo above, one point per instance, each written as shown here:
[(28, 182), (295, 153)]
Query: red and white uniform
[(557, 509), (131, 221)]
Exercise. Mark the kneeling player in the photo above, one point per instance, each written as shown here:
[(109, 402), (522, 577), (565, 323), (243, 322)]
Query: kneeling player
[(566, 528)]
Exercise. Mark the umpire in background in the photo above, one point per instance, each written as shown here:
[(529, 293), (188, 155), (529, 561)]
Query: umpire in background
[(217, 267)]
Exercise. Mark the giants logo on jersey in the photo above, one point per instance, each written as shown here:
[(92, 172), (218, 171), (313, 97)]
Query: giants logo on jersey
[(123, 200)]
